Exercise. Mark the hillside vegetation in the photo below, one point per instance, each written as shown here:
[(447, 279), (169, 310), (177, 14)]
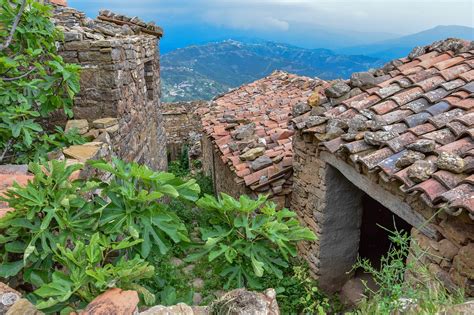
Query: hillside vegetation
[(201, 72)]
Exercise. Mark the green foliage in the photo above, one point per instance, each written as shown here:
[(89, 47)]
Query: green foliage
[(247, 238), (90, 269), (50, 210), (133, 208), (169, 283), (84, 233), (46, 143), (427, 295), (34, 79)]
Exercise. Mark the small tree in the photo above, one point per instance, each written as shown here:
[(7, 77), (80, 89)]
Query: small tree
[(34, 79)]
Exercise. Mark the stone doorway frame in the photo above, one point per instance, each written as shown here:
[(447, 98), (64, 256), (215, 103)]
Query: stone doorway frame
[(341, 219)]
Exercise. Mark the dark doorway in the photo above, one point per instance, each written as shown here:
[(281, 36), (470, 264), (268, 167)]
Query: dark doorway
[(374, 240)]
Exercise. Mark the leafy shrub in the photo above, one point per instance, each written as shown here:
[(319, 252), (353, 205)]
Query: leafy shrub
[(427, 296), (247, 238), (34, 79), (50, 210), (90, 269), (62, 226), (133, 208), (46, 143)]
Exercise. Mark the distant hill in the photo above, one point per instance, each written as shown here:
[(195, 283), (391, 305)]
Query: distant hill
[(201, 72), (400, 47)]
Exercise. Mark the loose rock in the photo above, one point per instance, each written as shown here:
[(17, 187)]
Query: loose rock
[(450, 162), (421, 170), (81, 125), (252, 154), (261, 163), (379, 137), (338, 89), (409, 157), (422, 145), (363, 79), (244, 132)]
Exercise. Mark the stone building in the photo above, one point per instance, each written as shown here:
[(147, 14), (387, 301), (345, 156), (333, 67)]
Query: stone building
[(247, 142), (395, 145), (182, 121), (120, 77)]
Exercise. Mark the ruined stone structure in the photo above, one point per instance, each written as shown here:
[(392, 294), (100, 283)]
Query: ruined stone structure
[(247, 144), (402, 139), (120, 77), (183, 127)]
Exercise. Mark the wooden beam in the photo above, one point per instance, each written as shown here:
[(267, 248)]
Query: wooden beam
[(384, 197)]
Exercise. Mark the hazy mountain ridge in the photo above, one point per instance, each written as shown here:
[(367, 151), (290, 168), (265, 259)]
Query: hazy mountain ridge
[(401, 46), (206, 70)]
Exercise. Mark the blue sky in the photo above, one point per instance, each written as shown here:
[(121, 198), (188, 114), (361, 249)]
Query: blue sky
[(188, 21)]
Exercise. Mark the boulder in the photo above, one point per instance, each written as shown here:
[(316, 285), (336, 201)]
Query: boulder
[(113, 301), (179, 309), (23, 307), (8, 297), (241, 301)]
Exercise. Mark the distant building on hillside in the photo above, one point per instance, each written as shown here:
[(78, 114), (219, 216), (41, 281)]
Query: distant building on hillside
[(120, 78), (395, 145), (247, 142)]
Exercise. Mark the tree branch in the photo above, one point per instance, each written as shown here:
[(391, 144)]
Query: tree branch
[(14, 26), (19, 77), (7, 147)]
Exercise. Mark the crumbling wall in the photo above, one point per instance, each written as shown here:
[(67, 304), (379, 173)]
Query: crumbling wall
[(182, 121), (120, 78)]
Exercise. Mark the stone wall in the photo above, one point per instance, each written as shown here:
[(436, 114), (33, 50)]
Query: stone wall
[(182, 121), (223, 178), (318, 197), (120, 77)]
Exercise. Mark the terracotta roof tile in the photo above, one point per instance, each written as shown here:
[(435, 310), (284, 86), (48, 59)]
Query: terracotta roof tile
[(407, 95), (267, 104), (384, 107), (428, 63), (448, 63), (430, 97), (466, 104), (467, 76), (431, 82), (422, 129)]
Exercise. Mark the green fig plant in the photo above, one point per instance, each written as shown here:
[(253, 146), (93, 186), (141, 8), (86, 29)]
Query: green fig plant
[(247, 238)]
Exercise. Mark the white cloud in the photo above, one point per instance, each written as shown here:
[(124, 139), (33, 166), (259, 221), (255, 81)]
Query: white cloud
[(395, 16)]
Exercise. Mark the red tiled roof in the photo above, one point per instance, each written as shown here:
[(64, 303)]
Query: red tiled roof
[(427, 96), (265, 108)]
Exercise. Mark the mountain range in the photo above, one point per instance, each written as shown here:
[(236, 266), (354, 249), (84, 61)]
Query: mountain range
[(401, 46), (205, 70)]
